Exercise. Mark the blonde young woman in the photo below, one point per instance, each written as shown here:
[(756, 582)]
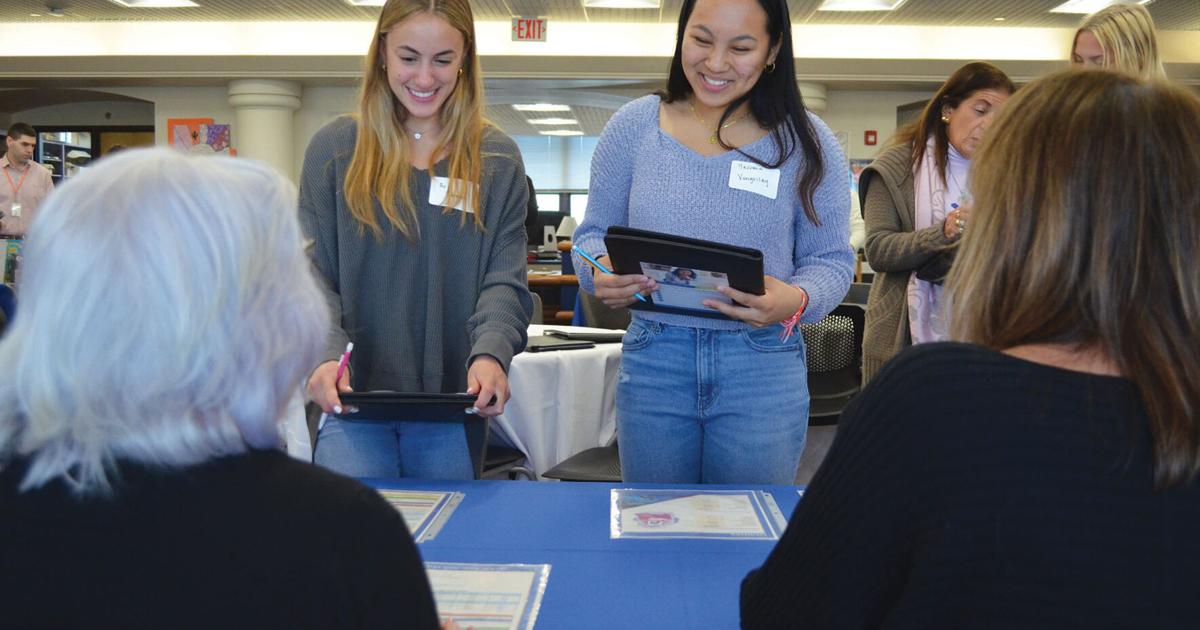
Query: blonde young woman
[(416, 206), (1120, 37), (1043, 474)]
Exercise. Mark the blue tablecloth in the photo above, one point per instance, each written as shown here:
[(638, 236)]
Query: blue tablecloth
[(596, 582)]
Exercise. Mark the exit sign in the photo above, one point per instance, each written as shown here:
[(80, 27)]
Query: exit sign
[(528, 29)]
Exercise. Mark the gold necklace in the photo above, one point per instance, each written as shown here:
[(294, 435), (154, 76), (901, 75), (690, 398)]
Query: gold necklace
[(713, 138)]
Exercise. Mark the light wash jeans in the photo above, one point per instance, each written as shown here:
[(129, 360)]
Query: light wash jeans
[(711, 406), (425, 450)]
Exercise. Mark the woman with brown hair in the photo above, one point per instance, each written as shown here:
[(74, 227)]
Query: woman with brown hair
[(1044, 473), (916, 200), (416, 206)]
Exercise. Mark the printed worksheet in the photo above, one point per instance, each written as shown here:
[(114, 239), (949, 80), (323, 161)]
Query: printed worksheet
[(733, 514), (423, 512), (488, 596)]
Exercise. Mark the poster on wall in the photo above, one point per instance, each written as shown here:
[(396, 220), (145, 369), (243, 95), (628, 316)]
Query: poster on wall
[(856, 169), (200, 135)]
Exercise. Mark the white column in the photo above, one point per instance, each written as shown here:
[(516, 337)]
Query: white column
[(813, 95), (263, 128)]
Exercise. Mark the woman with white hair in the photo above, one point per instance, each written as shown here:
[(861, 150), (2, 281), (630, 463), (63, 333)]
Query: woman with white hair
[(167, 315)]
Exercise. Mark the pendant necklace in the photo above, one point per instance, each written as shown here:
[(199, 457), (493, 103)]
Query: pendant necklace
[(713, 138)]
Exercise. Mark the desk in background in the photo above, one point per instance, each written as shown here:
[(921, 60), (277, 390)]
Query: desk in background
[(596, 582), (563, 402)]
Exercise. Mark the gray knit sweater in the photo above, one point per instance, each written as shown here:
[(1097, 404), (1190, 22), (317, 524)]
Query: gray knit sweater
[(418, 312)]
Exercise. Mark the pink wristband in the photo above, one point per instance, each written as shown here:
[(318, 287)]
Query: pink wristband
[(789, 324)]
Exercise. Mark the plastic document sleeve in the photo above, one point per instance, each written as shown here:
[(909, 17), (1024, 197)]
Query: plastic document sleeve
[(724, 514), (489, 596)]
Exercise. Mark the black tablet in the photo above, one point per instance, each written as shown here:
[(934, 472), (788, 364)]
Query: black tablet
[(391, 406), (687, 270), (546, 343), (588, 335)]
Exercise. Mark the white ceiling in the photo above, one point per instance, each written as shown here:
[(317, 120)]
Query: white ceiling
[(1181, 15)]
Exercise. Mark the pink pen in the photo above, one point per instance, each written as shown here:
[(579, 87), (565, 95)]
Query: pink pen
[(343, 363)]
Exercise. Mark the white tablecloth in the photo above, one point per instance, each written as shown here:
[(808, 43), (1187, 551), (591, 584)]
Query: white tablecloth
[(562, 402)]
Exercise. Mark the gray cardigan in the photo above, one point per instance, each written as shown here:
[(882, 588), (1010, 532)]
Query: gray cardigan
[(418, 312), (894, 249)]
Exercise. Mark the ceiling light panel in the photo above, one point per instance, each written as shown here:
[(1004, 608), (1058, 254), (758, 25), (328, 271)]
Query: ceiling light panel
[(541, 107), (1086, 7), (622, 4), (561, 132), (860, 5), (155, 4), (553, 121)]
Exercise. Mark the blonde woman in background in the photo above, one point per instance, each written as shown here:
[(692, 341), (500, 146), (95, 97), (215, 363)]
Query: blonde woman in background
[(416, 207), (1120, 37)]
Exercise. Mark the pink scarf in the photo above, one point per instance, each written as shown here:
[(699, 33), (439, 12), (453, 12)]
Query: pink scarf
[(934, 199)]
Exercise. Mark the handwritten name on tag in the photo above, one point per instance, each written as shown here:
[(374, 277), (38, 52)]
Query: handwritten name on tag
[(439, 187), (751, 177)]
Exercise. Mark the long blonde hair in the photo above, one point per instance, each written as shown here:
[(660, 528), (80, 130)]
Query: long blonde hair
[(1127, 36), (379, 169), (1084, 232)]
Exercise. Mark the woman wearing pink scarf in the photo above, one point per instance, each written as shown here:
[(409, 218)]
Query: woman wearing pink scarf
[(920, 209)]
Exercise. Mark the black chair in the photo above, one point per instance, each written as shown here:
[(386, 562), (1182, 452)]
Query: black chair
[(834, 355), (597, 315), (858, 293), (602, 463)]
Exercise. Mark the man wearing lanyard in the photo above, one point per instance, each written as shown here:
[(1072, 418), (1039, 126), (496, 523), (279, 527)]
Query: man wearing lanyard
[(25, 183)]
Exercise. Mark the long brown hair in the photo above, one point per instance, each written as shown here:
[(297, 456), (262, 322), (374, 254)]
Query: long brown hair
[(975, 76), (379, 169), (1086, 220)]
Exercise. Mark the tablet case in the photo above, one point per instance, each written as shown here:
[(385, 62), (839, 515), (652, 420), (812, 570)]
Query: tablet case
[(389, 406), (593, 336), (545, 343), (629, 247)]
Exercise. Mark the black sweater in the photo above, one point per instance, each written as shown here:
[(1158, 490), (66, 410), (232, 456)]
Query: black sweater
[(970, 489), (249, 541)]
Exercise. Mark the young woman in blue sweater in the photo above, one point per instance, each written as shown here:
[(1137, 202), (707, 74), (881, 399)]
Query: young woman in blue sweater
[(726, 153)]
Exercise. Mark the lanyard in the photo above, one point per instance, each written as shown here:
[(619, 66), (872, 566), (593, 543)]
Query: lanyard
[(16, 188)]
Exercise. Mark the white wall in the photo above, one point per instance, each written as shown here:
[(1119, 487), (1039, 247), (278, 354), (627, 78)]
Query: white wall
[(99, 113), (319, 105), (183, 102), (856, 111)]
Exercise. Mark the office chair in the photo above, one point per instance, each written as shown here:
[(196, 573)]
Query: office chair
[(597, 315), (602, 463), (834, 356)]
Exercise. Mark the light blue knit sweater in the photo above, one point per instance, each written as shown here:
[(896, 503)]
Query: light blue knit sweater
[(644, 178)]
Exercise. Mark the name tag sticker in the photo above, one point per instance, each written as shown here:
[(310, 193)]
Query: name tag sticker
[(439, 187), (751, 177), (16, 210)]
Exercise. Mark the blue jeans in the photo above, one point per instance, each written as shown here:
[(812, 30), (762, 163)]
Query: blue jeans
[(426, 450), (711, 406)]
